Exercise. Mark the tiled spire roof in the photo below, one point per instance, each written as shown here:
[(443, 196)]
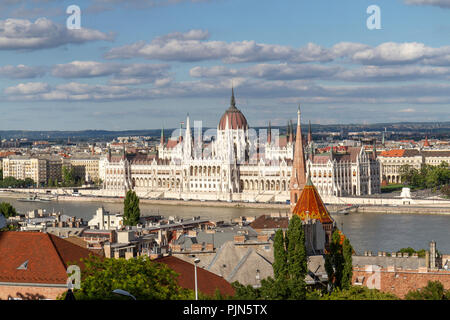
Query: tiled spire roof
[(310, 205)]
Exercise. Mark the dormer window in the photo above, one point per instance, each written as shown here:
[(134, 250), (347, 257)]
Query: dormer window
[(23, 266)]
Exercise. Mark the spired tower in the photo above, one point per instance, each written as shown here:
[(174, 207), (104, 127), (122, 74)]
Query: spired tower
[(298, 175)]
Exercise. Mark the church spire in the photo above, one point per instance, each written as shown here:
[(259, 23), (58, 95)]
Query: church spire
[(233, 100), (309, 133), (162, 136), (298, 175)]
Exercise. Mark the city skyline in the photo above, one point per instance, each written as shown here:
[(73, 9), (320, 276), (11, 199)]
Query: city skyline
[(145, 65)]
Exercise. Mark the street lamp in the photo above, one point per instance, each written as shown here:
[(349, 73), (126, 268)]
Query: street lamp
[(196, 261), (124, 293)]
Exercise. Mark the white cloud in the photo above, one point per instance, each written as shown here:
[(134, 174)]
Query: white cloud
[(16, 34), (436, 3), (123, 74), (29, 88), (21, 72), (285, 91), (190, 46)]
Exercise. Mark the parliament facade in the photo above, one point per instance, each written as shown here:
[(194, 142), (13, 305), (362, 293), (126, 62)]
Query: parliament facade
[(235, 164)]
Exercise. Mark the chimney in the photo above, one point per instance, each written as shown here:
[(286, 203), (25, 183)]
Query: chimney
[(433, 254), (107, 249)]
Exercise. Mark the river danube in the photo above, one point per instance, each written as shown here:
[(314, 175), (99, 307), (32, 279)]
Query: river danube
[(366, 231)]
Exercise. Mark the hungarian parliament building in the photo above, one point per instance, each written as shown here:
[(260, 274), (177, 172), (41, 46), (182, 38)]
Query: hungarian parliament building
[(234, 164)]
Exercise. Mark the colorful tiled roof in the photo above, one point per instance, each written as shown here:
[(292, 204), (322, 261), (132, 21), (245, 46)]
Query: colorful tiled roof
[(400, 153), (310, 205), (207, 281), (46, 257)]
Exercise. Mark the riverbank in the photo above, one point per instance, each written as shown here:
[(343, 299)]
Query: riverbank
[(405, 209), (397, 209)]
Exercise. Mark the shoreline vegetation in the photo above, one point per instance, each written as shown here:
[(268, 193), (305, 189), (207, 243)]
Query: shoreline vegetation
[(276, 207)]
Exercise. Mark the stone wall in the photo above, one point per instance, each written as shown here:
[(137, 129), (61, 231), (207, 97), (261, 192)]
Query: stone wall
[(30, 293), (396, 280)]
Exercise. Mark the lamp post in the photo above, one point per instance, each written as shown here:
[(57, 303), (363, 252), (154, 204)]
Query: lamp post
[(196, 261)]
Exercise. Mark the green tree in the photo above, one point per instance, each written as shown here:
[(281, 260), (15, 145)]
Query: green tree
[(7, 210), (433, 291), (358, 293), (446, 190), (143, 278), (289, 267), (242, 292), (68, 176), (334, 261), (347, 271), (297, 264), (131, 211), (1, 174), (280, 256)]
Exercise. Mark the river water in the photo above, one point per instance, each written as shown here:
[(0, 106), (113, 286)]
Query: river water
[(366, 231)]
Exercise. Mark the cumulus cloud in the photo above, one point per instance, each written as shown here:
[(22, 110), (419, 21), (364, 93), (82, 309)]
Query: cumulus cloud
[(17, 34), (436, 3), (194, 46), (21, 72), (29, 88), (287, 71), (126, 74), (191, 46), (285, 91)]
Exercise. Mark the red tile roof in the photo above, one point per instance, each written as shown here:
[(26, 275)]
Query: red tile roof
[(172, 144), (207, 281), (310, 205), (393, 153), (48, 257), (400, 153)]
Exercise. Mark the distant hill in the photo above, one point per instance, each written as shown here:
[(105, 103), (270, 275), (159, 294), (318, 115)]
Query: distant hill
[(420, 127)]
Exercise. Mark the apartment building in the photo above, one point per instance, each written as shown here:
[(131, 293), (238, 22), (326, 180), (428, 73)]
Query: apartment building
[(22, 167), (86, 167)]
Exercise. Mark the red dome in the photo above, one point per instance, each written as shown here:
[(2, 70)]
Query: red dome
[(234, 116)]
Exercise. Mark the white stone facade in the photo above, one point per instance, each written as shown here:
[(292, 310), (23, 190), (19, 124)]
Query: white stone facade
[(233, 166)]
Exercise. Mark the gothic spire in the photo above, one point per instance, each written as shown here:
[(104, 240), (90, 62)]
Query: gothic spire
[(309, 133), (298, 175), (233, 100), (162, 135)]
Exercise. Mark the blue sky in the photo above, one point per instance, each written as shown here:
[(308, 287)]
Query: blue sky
[(142, 64)]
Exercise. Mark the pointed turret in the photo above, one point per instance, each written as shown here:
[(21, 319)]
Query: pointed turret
[(287, 133), (161, 142), (298, 175), (269, 134), (309, 134), (188, 139), (233, 100), (311, 206), (291, 132), (374, 151)]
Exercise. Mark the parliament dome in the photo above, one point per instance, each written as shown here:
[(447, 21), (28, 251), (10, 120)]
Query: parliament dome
[(234, 117)]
